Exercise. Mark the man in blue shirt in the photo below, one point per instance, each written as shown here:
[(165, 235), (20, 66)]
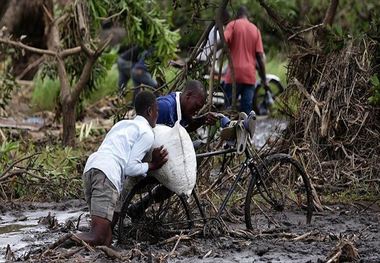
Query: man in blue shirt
[(140, 74), (192, 99)]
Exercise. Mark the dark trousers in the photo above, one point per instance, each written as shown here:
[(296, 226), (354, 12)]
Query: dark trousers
[(246, 92)]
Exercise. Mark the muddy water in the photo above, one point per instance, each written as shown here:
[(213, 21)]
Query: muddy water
[(26, 227), (267, 129)]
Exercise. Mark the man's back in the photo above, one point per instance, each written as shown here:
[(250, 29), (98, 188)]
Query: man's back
[(167, 110), (244, 41)]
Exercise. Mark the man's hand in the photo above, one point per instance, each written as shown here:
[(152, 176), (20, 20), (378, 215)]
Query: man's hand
[(266, 85), (159, 158), (210, 118), (138, 71)]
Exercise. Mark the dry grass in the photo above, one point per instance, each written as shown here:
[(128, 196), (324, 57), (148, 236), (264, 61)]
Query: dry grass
[(335, 132)]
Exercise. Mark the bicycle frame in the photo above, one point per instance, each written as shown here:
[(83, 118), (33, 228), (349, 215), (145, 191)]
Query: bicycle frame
[(247, 163)]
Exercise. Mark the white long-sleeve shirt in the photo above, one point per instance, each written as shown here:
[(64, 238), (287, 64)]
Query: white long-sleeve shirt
[(122, 151)]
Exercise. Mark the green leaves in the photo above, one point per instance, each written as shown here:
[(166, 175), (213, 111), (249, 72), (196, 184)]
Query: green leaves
[(375, 90), (7, 84), (7, 149), (146, 27)]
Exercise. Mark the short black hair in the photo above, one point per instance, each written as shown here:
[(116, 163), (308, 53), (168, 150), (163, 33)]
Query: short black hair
[(242, 11), (195, 86), (143, 101)]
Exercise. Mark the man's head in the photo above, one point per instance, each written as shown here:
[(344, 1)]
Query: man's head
[(242, 12), (192, 99), (146, 106)]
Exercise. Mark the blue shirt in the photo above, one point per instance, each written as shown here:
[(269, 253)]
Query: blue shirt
[(167, 110)]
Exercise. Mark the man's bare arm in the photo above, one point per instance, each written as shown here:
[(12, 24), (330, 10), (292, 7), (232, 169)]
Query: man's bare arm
[(261, 68)]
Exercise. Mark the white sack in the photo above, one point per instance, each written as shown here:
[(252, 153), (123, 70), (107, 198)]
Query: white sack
[(180, 172)]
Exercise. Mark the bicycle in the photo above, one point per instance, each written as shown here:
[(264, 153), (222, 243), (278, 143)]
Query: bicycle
[(279, 192)]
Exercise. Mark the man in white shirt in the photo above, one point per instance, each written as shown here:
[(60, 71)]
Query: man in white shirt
[(120, 155)]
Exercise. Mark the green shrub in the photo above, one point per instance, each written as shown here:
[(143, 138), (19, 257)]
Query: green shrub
[(45, 94), (107, 86)]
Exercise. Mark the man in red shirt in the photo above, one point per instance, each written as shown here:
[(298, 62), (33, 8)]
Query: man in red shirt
[(244, 41)]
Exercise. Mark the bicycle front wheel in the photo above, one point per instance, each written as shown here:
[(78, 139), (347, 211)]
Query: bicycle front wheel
[(279, 194), (157, 218)]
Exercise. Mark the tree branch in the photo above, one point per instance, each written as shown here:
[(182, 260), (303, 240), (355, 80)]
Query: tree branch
[(63, 80), (87, 70), (83, 79), (2, 176), (26, 47), (82, 22), (330, 13), (30, 67), (219, 26), (283, 25)]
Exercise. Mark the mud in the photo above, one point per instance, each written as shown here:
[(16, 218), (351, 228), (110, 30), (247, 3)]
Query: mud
[(27, 228)]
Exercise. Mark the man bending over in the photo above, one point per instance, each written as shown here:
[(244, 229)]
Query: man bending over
[(120, 155)]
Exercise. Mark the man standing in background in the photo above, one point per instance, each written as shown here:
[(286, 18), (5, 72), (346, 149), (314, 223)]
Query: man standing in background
[(244, 41)]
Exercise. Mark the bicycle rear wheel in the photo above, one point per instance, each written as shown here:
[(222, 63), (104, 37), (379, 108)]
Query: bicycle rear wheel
[(279, 194), (158, 219)]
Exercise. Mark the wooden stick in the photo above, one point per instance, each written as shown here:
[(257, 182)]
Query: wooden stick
[(60, 241), (172, 239), (111, 252), (176, 244), (303, 236), (336, 256), (77, 239), (71, 252)]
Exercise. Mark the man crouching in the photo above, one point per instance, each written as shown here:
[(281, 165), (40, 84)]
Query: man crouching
[(120, 155)]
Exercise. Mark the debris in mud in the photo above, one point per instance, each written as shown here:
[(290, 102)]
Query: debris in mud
[(50, 221), (9, 255), (345, 251)]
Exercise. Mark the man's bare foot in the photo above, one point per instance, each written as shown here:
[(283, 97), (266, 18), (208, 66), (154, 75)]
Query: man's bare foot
[(100, 232)]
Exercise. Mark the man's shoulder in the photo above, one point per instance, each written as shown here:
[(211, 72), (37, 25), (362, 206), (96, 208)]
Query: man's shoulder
[(242, 22), (166, 101), (169, 97)]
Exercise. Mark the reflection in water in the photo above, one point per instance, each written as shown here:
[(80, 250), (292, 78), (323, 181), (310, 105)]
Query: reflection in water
[(12, 228), (25, 234)]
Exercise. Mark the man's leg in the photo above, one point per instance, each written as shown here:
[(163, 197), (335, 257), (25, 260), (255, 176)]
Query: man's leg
[(247, 92), (124, 68), (103, 198), (227, 88), (147, 79), (228, 91)]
